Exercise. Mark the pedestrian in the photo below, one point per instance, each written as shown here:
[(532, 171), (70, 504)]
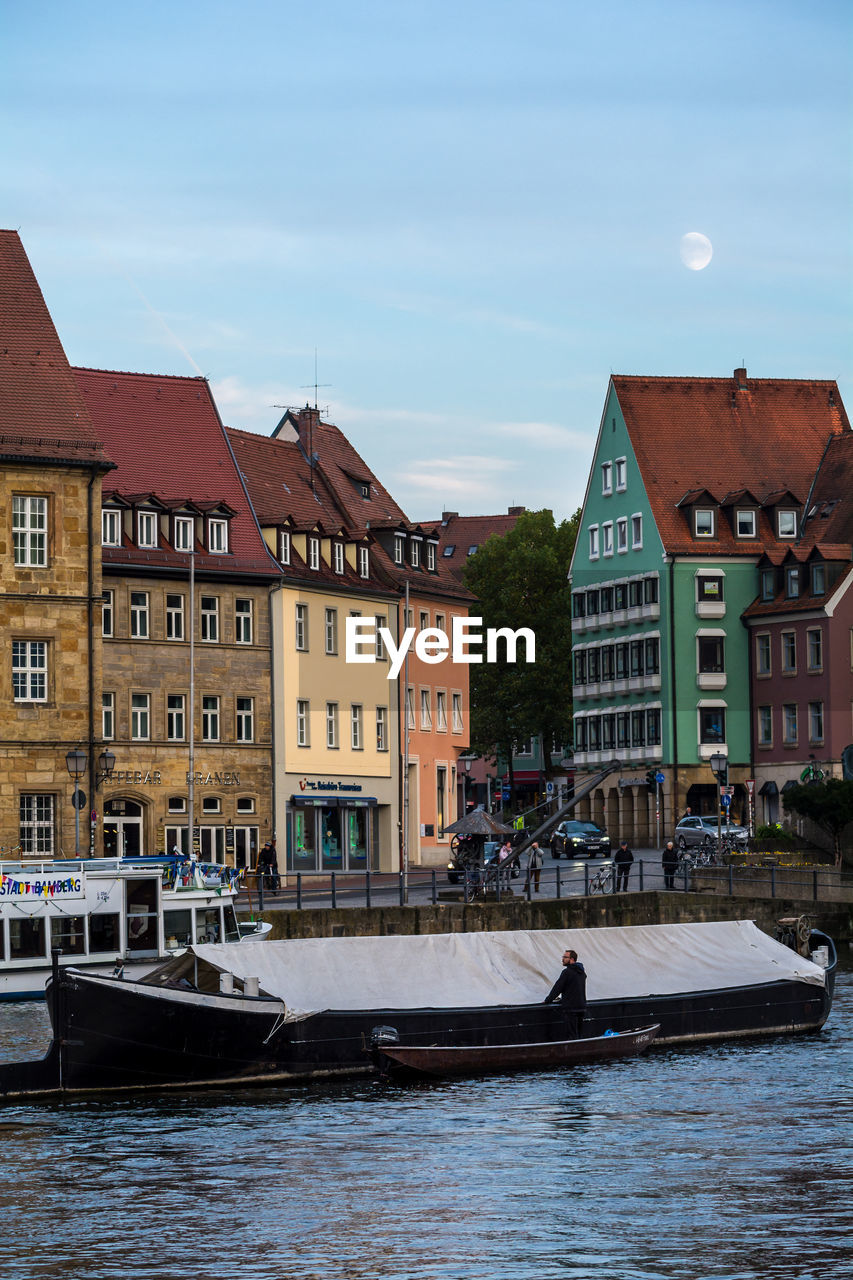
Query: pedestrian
[(688, 813), (669, 862), (623, 858), (570, 990), (504, 871), (274, 878), (267, 865), (534, 866)]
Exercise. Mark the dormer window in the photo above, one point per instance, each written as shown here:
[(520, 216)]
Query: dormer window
[(430, 557), (786, 524), (818, 580), (365, 489), (768, 584), (415, 553), (745, 524), (217, 536), (399, 547), (182, 538), (146, 529), (363, 562), (606, 478), (313, 553), (111, 528), (792, 582), (338, 557), (704, 520), (284, 546)]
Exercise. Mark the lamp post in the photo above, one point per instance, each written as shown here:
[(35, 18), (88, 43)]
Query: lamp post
[(720, 768), (75, 762)]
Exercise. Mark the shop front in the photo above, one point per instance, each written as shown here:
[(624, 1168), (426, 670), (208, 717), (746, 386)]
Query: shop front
[(334, 826)]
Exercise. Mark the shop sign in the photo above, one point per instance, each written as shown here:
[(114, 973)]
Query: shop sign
[(317, 784)]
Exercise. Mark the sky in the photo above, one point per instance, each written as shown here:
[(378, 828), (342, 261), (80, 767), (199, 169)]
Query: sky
[(464, 215)]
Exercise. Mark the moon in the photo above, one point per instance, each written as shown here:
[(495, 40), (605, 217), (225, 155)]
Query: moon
[(696, 250)]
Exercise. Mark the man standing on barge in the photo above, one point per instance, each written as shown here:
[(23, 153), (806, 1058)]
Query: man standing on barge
[(570, 990)]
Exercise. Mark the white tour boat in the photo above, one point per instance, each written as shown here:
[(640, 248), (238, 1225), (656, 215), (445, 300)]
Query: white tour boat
[(109, 913)]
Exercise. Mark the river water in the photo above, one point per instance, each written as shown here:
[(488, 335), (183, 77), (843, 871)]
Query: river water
[(733, 1161)]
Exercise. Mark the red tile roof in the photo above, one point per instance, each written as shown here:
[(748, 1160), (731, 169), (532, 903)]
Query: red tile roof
[(167, 439), (42, 414), (726, 434), (458, 534)]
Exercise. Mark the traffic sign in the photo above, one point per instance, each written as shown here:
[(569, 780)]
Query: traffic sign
[(726, 801), (549, 788), (659, 778), (750, 785), (727, 791), (78, 798)]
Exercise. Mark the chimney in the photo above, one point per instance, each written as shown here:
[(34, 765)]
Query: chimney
[(740, 379), (516, 511), (449, 515)]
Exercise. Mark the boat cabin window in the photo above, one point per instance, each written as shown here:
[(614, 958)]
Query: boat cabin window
[(69, 934), (232, 929), (27, 939), (177, 928), (142, 902), (104, 933), (208, 925)]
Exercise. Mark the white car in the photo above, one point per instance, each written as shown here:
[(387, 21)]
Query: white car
[(698, 831)]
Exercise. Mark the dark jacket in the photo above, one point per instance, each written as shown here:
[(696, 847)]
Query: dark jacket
[(669, 858), (623, 856), (570, 987)]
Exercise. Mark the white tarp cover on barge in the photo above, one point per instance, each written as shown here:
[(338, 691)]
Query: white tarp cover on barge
[(470, 970)]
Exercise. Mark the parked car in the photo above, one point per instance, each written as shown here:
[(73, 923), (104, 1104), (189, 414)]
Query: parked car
[(575, 837), (694, 831)]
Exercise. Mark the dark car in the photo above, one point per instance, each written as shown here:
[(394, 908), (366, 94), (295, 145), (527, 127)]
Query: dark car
[(574, 837)]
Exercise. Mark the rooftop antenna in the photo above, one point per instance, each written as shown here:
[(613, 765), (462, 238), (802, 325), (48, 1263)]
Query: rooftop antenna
[(306, 386)]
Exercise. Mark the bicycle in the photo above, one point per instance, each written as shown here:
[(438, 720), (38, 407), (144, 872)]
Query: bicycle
[(482, 883), (602, 881)]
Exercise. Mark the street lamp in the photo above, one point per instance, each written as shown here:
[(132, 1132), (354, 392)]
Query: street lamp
[(720, 768), (75, 761)]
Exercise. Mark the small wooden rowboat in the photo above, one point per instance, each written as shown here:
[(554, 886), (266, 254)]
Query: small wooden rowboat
[(463, 1060)]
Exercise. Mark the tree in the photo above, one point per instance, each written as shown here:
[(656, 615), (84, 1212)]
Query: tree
[(828, 804), (521, 580)]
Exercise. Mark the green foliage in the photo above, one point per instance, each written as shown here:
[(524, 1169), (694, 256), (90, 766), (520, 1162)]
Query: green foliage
[(774, 831), (828, 804), (521, 580)]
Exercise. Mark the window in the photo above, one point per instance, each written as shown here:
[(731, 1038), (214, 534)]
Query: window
[(620, 596), (175, 717), (174, 617), (792, 582), (593, 542), (415, 553), (108, 614), (815, 722), (210, 718), (579, 604), (441, 711), (211, 804), (184, 533), (815, 639), (139, 615), (302, 628), (29, 670), (29, 531), (108, 715), (430, 557), (638, 729), (331, 631), (765, 726), (524, 748), (653, 727), (381, 621), (338, 557), (712, 725), (607, 538), (591, 603), (456, 708), (302, 721), (622, 534), (745, 524), (140, 717), (606, 478), (637, 531), (440, 799), (245, 719), (703, 522), (284, 546), (768, 584), (711, 654), (35, 825), (110, 528), (762, 655), (818, 580), (650, 590), (381, 728), (789, 652), (146, 529), (709, 588), (243, 629), (440, 621), (245, 804), (210, 619), (449, 549), (177, 804), (410, 707), (593, 665), (217, 535), (652, 656), (423, 617), (314, 553), (399, 547), (789, 723), (472, 550), (786, 524), (356, 736), (363, 562), (580, 666), (426, 709), (332, 725), (621, 475)]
